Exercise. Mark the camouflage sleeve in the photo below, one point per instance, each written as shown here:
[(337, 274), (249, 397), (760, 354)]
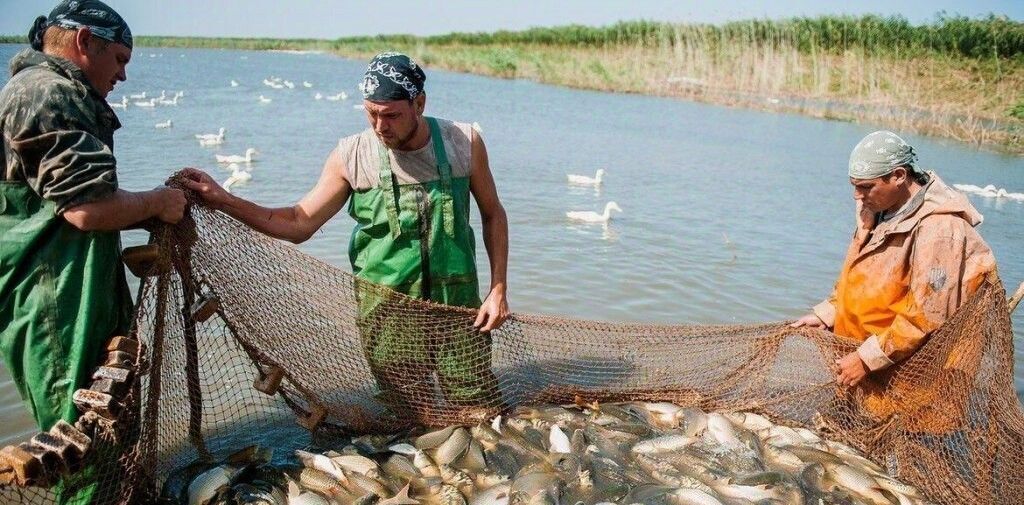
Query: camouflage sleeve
[(63, 160)]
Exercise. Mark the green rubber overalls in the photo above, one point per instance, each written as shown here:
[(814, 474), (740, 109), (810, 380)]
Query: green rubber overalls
[(416, 239), (63, 294)]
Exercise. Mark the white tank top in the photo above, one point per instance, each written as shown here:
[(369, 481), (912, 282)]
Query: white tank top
[(362, 161)]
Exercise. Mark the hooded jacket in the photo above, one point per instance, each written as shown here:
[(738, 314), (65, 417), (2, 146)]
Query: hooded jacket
[(904, 277)]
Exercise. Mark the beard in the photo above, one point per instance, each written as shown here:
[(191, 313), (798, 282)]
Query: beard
[(402, 143)]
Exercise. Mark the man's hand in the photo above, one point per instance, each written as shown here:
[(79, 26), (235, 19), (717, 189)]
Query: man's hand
[(851, 370), (171, 202), (493, 312), (212, 193), (809, 320)]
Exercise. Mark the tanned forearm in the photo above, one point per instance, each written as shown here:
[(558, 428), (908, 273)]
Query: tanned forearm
[(496, 241), (119, 211), (281, 223)]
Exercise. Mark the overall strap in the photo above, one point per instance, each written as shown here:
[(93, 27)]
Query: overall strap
[(444, 169), (388, 183)]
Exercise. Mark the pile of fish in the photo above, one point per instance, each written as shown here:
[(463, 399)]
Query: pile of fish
[(648, 453)]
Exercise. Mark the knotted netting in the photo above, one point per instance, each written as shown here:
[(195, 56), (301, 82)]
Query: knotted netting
[(353, 358)]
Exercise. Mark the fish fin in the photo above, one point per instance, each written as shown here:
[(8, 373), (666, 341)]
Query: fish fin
[(401, 498)]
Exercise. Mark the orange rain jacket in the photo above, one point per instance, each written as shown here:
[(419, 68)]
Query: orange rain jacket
[(905, 276)]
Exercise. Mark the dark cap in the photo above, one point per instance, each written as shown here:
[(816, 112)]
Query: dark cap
[(103, 21)]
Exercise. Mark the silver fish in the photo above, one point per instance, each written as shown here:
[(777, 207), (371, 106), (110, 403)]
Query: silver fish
[(782, 457), (494, 495), (663, 443), (486, 436), (362, 484), (473, 460), (307, 498), (434, 438), (693, 421), (694, 497), (667, 474), (453, 448), (815, 455), (358, 464), (558, 441), (204, 487), (858, 482), (319, 482), (750, 421), (666, 414)]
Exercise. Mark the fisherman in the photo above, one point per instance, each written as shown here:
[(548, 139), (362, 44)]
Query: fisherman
[(63, 292), (914, 259), (410, 178)]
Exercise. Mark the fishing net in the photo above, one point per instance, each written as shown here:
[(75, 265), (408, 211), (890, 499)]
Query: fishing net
[(353, 358)]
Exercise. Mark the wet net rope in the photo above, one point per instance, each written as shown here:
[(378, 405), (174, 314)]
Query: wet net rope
[(244, 339)]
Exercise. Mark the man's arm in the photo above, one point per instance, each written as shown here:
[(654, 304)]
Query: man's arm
[(494, 309), (296, 223), (123, 209)]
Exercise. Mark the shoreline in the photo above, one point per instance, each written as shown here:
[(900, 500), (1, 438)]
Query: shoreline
[(956, 78)]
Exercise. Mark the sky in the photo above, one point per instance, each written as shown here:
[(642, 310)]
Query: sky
[(333, 18)]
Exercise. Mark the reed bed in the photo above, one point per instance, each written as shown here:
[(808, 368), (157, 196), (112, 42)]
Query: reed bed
[(954, 77)]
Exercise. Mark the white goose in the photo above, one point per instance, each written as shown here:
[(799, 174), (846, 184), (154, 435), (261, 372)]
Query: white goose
[(211, 136), (289, 84), (318, 96), (165, 124), (123, 104), (264, 99), (237, 176), (150, 103), (594, 217), (173, 101), (596, 180), (216, 141), (307, 84), (234, 83), (234, 158)]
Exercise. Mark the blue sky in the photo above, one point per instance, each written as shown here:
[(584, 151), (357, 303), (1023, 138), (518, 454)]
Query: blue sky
[(332, 19)]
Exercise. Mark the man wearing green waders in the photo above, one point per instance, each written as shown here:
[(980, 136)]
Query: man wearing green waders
[(410, 178), (63, 293)]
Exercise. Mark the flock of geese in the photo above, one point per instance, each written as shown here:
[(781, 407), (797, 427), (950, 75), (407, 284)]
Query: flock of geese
[(589, 216), (239, 165), (280, 83)]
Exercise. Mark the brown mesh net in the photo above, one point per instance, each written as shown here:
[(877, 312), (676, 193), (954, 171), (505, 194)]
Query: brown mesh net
[(353, 358)]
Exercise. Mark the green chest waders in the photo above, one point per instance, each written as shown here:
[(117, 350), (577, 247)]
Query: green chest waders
[(416, 239), (63, 294)]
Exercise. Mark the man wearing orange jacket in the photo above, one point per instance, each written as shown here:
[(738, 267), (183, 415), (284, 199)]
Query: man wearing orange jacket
[(914, 259)]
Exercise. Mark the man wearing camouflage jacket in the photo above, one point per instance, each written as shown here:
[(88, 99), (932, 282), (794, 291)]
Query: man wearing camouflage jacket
[(63, 292)]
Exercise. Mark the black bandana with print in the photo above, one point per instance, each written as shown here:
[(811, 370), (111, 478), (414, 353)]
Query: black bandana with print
[(392, 76)]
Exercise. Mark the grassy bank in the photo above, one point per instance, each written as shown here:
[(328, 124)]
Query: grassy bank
[(954, 77)]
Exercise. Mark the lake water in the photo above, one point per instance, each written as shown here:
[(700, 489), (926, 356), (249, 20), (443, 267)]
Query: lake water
[(730, 216)]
